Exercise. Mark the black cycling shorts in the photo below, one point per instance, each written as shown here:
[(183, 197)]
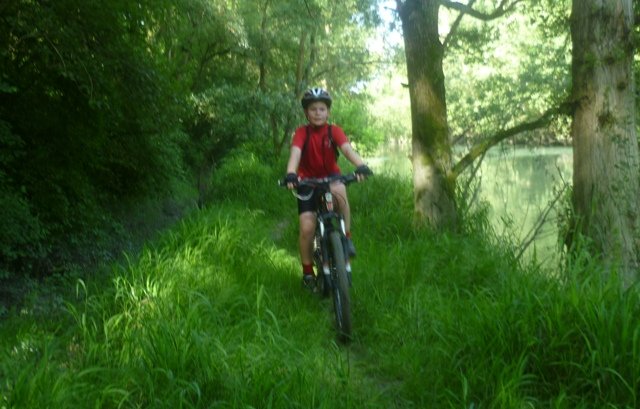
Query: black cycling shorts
[(310, 205)]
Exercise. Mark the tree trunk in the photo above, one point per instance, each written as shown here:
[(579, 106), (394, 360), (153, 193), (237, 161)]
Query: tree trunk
[(303, 74), (263, 51), (434, 190), (606, 175)]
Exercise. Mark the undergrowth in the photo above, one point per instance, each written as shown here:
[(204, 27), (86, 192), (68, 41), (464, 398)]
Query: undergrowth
[(211, 315)]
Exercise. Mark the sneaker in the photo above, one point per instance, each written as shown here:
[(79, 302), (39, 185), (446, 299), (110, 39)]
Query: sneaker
[(351, 249), (309, 282)]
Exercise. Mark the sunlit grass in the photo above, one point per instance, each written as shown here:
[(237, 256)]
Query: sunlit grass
[(211, 315)]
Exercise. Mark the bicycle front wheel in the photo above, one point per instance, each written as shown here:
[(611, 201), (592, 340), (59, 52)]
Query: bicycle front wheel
[(341, 299)]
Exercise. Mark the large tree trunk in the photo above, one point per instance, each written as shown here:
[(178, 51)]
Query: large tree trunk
[(434, 191), (606, 175)]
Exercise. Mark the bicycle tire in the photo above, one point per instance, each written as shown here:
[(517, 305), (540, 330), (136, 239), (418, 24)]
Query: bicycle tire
[(341, 298)]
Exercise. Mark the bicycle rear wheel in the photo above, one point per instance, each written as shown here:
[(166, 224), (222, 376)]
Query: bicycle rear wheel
[(341, 299)]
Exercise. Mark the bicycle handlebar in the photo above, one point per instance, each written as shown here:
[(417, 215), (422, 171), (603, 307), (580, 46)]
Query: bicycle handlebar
[(346, 179)]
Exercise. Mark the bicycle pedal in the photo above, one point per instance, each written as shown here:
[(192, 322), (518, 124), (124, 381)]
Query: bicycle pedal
[(309, 283)]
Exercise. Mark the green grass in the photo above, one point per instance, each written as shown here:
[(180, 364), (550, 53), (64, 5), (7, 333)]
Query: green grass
[(211, 315)]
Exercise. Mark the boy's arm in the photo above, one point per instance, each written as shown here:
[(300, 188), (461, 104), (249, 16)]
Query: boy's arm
[(362, 170), (351, 155), (292, 167), (294, 159)]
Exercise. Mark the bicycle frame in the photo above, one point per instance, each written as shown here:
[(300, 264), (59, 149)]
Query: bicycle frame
[(328, 220)]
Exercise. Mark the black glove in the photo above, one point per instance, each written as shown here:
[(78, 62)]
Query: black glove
[(363, 170), (291, 178)]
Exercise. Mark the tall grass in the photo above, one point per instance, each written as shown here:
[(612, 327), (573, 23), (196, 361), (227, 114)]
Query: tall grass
[(211, 315)]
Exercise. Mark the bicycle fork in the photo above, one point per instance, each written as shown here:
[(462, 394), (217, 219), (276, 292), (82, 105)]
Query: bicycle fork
[(345, 250), (322, 244)]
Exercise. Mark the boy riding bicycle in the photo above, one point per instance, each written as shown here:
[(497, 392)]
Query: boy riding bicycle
[(314, 154)]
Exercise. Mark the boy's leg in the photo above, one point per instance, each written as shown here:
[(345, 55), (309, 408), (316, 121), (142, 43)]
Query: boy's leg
[(307, 231), (339, 191)]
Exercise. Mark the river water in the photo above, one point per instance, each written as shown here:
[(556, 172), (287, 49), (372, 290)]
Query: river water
[(518, 184)]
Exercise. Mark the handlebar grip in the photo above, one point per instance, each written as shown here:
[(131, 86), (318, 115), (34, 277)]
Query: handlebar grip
[(283, 183), (351, 177)]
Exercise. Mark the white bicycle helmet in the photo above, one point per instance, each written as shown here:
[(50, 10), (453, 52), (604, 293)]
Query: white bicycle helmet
[(314, 95)]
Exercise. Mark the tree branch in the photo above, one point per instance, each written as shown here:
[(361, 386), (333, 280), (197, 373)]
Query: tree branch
[(466, 190), (300, 64), (483, 146), (455, 25), (503, 8), (542, 220), (306, 3)]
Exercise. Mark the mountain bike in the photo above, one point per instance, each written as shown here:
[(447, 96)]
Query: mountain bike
[(330, 255)]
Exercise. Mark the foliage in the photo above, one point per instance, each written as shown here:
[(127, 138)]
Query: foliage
[(104, 107), (22, 241), (361, 126), (498, 73), (22, 232), (243, 177), (221, 119), (296, 45), (391, 105), (90, 111), (504, 72)]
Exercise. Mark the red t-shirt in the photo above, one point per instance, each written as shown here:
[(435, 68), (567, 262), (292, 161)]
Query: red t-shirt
[(318, 158)]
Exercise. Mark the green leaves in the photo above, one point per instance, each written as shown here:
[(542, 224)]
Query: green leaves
[(105, 104), (502, 73), (86, 106)]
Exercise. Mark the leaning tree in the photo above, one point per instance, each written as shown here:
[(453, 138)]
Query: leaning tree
[(434, 172)]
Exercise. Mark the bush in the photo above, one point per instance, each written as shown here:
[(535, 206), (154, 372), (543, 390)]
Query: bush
[(244, 178), (23, 235)]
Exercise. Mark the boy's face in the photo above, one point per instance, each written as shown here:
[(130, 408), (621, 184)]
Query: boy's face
[(317, 113)]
